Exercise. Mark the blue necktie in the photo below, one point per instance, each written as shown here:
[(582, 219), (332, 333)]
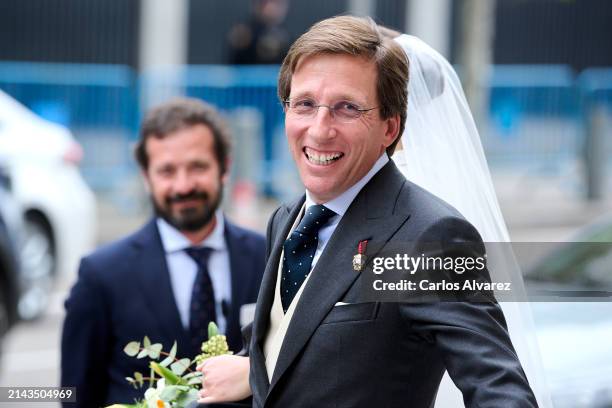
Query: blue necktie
[(202, 308), (299, 250)]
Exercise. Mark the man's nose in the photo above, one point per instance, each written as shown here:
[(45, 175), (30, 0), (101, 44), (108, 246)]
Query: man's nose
[(322, 123), (183, 182)]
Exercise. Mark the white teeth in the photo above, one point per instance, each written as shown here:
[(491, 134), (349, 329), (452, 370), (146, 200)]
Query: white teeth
[(321, 158)]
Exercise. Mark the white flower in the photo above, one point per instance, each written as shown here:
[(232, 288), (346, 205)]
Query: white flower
[(152, 395)]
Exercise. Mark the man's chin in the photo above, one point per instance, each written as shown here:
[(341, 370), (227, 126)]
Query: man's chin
[(188, 222), (321, 189), (188, 225), (187, 218)]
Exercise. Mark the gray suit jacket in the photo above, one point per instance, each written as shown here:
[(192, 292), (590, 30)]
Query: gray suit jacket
[(375, 354)]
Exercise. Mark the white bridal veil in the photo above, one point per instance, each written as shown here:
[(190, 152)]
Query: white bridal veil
[(442, 153)]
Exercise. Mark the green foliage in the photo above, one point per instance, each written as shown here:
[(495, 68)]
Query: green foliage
[(172, 380), (172, 392), (213, 330), (148, 350), (187, 398), (180, 366), (215, 346), (171, 357), (132, 348), (170, 377), (139, 379)]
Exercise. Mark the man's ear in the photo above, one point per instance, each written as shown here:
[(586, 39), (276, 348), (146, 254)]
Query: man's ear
[(391, 130)]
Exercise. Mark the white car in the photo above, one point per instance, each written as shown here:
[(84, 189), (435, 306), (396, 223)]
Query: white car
[(59, 208)]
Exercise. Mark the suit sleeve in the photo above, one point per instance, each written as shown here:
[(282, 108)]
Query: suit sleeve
[(85, 341), (269, 233), (472, 336), (246, 332)]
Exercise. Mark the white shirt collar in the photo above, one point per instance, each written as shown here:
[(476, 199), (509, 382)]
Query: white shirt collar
[(174, 241), (340, 204)]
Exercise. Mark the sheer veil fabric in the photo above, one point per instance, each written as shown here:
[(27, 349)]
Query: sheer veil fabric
[(442, 153)]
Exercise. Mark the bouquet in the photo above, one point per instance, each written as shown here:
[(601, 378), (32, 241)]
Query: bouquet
[(172, 382)]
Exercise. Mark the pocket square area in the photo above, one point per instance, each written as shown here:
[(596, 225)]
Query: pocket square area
[(351, 312)]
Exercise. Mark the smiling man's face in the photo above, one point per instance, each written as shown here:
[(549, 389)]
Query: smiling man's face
[(332, 155)]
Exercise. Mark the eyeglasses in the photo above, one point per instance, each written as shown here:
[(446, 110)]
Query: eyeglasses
[(343, 111)]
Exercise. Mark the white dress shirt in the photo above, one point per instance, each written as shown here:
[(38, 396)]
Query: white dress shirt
[(279, 321), (183, 269), (340, 204)]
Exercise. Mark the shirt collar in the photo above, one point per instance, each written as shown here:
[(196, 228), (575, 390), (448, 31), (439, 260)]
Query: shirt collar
[(174, 241), (340, 204)]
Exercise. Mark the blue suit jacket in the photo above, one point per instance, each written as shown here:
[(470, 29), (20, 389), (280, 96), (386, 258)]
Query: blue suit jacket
[(124, 293)]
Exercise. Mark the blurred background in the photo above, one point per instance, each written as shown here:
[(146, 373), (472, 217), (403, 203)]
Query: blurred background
[(76, 77)]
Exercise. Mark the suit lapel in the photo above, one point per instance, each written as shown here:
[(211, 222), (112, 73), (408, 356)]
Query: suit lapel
[(265, 299), (372, 216), (239, 268), (238, 262), (152, 272)]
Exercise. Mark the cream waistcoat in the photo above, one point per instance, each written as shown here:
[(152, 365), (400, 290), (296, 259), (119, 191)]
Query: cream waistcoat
[(279, 321)]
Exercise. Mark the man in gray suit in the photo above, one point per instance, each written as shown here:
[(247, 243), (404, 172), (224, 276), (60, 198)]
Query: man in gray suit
[(316, 341)]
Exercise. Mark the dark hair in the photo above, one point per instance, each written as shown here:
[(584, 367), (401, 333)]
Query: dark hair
[(178, 114), (358, 37)]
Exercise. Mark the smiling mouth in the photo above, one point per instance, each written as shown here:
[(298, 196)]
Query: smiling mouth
[(321, 159)]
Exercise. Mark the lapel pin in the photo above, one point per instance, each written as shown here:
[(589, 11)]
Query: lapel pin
[(359, 259)]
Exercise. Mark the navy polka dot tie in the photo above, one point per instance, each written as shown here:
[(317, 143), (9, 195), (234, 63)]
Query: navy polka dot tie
[(202, 309), (299, 250)]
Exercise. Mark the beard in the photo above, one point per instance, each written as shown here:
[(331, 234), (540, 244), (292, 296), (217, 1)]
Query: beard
[(192, 218)]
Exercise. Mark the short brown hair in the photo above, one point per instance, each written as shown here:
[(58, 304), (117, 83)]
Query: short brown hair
[(388, 32), (178, 114), (358, 37)]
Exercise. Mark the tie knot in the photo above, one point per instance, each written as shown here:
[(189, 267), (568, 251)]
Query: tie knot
[(199, 254), (315, 217)]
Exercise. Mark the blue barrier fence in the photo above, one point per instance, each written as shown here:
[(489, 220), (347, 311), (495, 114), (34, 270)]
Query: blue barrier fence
[(97, 102), (537, 113), (250, 90), (76, 95), (596, 87)]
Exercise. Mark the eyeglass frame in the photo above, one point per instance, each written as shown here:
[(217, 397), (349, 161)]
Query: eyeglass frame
[(332, 110)]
